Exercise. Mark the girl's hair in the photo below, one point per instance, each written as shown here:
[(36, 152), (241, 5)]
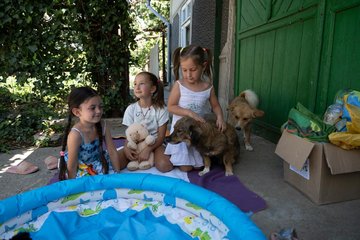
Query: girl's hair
[(198, 54), (75, 99), (158, 96)]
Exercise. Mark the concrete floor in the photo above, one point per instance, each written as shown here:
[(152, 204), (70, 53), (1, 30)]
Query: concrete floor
[(260, 170)]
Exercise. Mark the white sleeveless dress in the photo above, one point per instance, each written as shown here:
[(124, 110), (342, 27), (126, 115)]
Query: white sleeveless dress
[(198, 102)]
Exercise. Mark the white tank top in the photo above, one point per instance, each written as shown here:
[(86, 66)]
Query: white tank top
[(197, 102)]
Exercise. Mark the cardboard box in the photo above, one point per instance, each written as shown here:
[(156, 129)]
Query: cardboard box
[(322, 171)]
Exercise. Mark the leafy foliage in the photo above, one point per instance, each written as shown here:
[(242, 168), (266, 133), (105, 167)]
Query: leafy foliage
[(20, 117), (24, 112), (48, 47), (149, 28), (54, 41)]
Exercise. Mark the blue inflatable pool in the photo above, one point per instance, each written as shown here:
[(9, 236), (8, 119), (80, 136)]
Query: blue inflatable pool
[(124, 206)]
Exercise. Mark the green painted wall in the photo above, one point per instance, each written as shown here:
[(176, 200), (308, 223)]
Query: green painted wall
[(292, 51)]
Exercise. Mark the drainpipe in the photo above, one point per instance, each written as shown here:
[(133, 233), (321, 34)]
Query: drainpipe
[(148, 5)]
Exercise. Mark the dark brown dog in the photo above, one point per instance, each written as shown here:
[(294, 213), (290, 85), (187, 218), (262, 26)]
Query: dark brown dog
[(208, 140), (243, 110)]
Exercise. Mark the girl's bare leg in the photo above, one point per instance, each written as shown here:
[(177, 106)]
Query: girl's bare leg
[(162, 161), (122, 158), (186, 168)]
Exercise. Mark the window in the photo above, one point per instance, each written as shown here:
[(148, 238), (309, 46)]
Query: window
[(185, 26)]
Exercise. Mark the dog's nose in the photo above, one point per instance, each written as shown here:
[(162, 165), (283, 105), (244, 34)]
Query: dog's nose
[(238, 128)]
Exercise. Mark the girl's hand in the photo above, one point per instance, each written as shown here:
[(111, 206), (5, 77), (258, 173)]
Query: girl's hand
[(221, 124), (130, 154), (144, 154), (196, 116)]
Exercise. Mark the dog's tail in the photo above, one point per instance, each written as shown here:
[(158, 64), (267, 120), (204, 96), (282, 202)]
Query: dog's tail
[(251, 97)]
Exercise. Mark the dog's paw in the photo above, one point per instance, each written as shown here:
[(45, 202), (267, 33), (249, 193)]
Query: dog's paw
[(248, 147), (203, 172), (209, 154), (229, 173), (213, 153)]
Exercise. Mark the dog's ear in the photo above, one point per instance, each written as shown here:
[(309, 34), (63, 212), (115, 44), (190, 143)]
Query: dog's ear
[(195, 133), (242, 95), (258, 113), (231, 107)]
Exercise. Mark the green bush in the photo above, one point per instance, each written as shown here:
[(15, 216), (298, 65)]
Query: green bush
[(22, 114)]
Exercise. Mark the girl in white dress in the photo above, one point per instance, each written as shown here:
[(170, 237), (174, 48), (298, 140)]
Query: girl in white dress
[(190, 96)]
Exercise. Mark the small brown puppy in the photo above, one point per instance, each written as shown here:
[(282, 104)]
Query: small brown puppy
[(208, 140), (243, 110)]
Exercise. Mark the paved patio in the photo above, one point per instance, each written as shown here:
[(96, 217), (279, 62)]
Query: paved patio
[(260, 171)]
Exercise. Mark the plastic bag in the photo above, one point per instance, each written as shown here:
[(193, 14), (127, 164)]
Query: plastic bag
[(304, 123), (351, 138), (333, 114), (352, 98)]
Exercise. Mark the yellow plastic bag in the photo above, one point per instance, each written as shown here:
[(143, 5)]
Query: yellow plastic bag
[(351, 138)]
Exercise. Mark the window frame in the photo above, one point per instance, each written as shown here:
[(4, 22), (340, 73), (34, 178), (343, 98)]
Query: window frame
[(185, 23)]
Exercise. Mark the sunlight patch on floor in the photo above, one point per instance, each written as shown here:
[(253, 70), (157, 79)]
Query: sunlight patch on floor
[(16, 159)]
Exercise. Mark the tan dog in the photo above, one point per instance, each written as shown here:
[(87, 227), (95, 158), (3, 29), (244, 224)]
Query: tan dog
[(243, 110), (208, 140)]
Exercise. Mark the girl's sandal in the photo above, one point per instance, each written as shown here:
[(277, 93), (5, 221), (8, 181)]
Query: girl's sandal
[(23, 168), (51, 162)]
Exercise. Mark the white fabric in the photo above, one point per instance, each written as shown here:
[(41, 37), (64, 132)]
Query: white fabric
[(198, 102), (181, 155), (175, 173), (152, 118)]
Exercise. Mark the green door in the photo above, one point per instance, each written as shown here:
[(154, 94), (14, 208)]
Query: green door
[(340, 65), (290, 51)]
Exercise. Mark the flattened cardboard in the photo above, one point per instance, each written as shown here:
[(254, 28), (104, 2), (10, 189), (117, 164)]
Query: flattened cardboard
[(322, 187), (340, 160), (293, 149)]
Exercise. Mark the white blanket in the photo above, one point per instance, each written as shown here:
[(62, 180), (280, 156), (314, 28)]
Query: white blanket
[(175, 173)]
